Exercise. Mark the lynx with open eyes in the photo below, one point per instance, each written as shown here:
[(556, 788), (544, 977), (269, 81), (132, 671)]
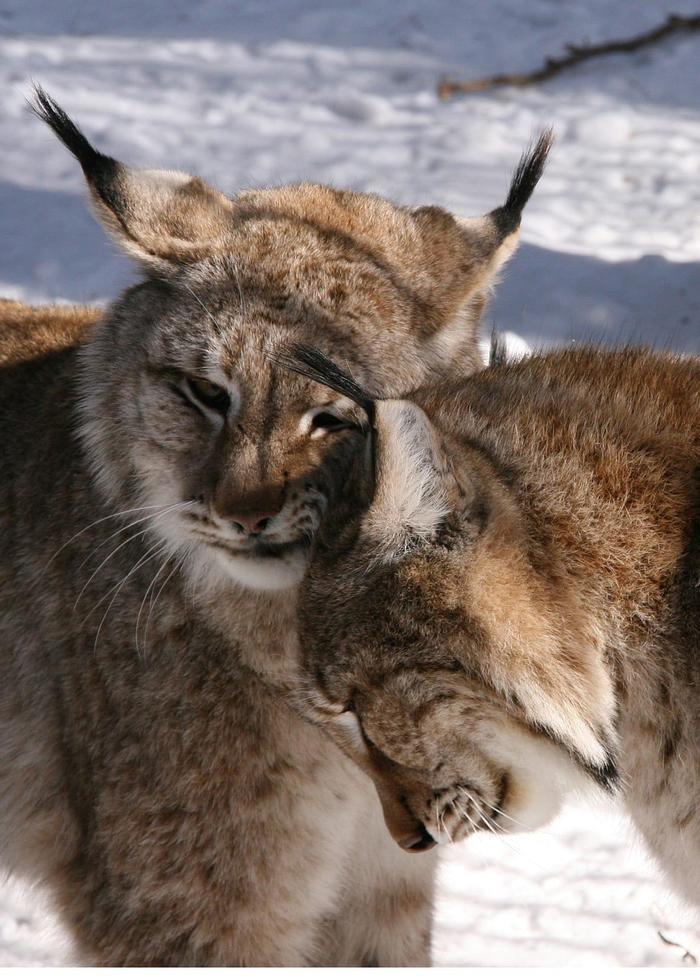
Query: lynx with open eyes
[(501, 605)]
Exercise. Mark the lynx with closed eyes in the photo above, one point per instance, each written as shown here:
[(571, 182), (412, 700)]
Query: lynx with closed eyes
[(162, 482), (502, 604)]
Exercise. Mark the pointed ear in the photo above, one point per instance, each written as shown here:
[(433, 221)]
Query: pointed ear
[(494, 237), (480, 249), (162, 218)]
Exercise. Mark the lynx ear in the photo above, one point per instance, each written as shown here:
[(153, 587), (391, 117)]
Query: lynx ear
[(469, 255), (493, 238), (163, 218), (412, 482)]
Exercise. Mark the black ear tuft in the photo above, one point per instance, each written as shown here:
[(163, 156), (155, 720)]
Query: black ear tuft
[(72, 138), (63, 126), (100, 170), (311, 363), (526, 177), (528, 172), (163, 218)]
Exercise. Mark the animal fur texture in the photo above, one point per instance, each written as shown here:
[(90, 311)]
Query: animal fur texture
[(502, 604), (162, 479)]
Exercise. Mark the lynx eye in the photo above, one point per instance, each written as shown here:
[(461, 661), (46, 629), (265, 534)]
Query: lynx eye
[(324, 421), (209, 394)]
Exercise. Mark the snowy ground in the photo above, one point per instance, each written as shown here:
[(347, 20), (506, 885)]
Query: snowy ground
[(268, 91)]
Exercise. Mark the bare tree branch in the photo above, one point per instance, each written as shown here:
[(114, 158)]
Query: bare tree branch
[(674, 24), (687, 955)]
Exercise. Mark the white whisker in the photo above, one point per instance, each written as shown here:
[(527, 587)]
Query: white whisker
[(154, 552), (145, 597), (177, 566), (507, 816), (444, 827), (158, 546), (109, 517), (440, 820), (208, 312), (238, 284), (466, 815), (123, 545), (479, 812), (103, 563), (141, 520), (494, 830)]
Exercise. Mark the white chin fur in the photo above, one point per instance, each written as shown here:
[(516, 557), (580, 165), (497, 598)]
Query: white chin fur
[(541, 777), (534, 803), (265, 574)]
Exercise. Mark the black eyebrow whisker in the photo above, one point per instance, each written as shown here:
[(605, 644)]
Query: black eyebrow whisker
[(313, 364)]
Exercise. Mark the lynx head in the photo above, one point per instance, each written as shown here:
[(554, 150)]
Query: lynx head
[(182, 410), (463, 678)]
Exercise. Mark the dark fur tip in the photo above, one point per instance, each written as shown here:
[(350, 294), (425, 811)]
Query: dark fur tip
[(96, 166), (526, 177), (498, 354), (607, 775), (312, 364)]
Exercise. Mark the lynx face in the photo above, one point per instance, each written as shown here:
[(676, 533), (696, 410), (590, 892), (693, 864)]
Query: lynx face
[(184, 414), (471, 689), (435, 710), (231, 461), (448, 758)]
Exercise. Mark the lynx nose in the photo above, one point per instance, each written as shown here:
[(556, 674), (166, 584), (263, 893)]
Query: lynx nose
[(250, 509), (252, 521)]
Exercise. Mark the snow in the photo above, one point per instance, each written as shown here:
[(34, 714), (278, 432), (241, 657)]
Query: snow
[(269, 91)]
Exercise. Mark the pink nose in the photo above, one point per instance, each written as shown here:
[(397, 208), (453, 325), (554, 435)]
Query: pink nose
[(252, 521)]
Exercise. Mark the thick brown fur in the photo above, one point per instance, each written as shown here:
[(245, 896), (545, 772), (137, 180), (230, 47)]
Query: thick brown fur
[(33, 332), (162, 479), (505, 604)]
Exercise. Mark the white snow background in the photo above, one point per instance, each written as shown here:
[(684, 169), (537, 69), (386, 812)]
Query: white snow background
[(267, 91)]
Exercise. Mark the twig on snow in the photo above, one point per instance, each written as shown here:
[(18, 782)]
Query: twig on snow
[(674, 24), (688, 957)]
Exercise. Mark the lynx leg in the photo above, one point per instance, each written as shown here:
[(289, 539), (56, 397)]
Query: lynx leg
[(106, 932), (207, 849), (397, 921), (195, 910)]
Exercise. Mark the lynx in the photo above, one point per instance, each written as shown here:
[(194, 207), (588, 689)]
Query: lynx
[(502, 602), (162, 482)]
